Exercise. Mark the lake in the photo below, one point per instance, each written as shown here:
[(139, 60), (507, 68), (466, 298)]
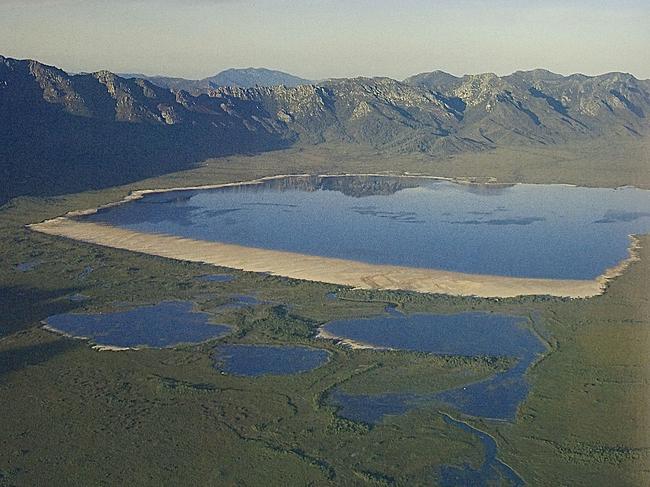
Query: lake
[(522, 230), (256, 360), (162, 325)]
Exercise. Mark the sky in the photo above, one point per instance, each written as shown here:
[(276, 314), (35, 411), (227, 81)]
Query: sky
[(330, 38)]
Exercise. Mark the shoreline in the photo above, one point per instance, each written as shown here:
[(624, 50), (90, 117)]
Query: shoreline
[(323, 334), (94, 346), (330, 270), (141, 193), (324, 269)]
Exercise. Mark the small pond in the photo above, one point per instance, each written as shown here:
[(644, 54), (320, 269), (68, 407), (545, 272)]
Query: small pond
[(216, 278), (28, 266), (256, 360), (162, 325)]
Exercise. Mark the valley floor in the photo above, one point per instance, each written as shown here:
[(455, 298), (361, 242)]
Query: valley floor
[(73, 415)]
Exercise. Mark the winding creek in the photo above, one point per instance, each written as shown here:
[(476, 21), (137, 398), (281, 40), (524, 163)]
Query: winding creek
[(465, 334)]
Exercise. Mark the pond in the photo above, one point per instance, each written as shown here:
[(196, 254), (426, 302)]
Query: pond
[(464, 334), (522, 230), (256, 360), (166, 324), (216, 278), (28, 266)]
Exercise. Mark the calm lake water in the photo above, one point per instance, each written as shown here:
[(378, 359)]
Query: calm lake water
[(465, 334), (159, 326), (547, 231), (256, 360)]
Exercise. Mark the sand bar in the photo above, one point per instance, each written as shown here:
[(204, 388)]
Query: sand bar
[(323, 269)]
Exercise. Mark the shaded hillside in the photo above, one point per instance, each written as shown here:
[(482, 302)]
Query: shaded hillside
[(63, 133)]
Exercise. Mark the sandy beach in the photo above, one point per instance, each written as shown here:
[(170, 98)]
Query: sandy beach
[(353, 344), (98, 347), (323, 269)]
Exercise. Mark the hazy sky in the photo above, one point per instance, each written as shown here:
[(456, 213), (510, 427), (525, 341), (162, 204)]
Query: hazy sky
[(330, 38)]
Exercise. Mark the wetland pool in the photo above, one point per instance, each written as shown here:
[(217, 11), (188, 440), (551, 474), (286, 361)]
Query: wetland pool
[(257, 360), (464, 334), (163, 325), (522, 230)]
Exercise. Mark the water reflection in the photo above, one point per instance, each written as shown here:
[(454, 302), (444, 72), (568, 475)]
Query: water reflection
[(543, 231)]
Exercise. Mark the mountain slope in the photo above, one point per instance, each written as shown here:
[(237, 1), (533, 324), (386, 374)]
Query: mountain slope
[(63, 133), (543, 107)]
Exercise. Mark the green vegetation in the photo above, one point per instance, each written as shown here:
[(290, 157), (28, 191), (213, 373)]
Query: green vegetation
[(587, 416), (76, 416), (422, 373)]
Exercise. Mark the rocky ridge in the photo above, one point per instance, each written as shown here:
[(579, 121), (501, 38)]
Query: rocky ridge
[(109, 129)]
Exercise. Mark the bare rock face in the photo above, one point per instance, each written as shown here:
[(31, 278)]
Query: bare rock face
[(539, 106)]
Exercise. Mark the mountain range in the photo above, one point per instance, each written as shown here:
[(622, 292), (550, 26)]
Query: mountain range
[(246, 78), (63, 132)]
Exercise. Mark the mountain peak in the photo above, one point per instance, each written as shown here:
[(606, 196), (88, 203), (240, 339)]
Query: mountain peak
[(249, 77)]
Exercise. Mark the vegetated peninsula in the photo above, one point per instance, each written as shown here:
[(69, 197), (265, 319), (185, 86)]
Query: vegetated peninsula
[(63, 133)]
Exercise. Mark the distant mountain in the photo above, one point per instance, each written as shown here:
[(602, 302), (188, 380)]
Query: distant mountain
[(245, 78), (250, 77), (63, 133), (539, 106)]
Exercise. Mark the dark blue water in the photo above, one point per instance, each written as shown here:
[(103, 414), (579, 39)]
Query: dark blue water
[(550, 231), (371, 408), (159, 326), (28, 266), (465, 334), (492, 471), (216, 278), (471, 334), (256, 360)]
